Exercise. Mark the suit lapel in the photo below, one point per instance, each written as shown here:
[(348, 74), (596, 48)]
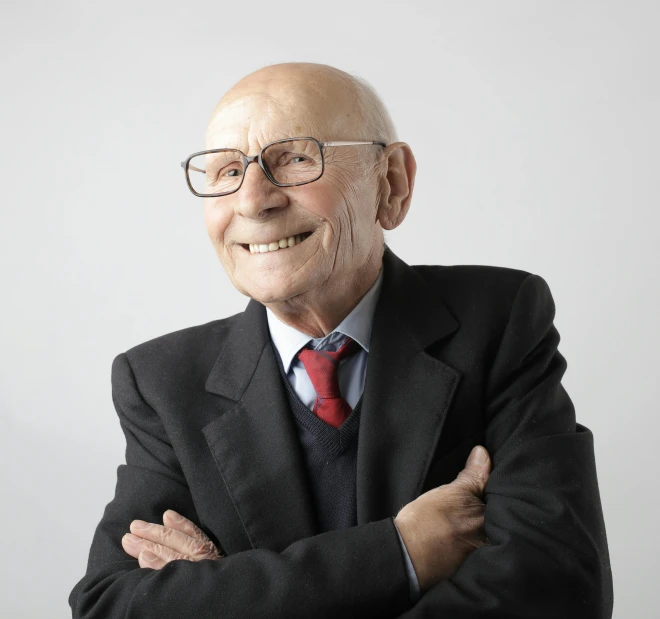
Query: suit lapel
[(407, 392), (254, 439)]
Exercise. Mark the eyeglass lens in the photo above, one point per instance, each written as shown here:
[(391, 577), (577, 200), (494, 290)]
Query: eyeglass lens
[(291, 162)]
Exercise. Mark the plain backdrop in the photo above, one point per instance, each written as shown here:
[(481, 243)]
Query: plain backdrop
[(534, 124)]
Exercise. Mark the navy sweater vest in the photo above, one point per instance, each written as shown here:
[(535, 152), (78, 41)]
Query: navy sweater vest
[(330, 455)]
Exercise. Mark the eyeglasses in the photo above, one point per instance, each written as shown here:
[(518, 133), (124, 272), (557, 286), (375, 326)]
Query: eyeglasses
[(286, 163)]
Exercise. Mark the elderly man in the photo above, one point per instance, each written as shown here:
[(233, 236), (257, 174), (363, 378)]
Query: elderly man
[(367, 438)]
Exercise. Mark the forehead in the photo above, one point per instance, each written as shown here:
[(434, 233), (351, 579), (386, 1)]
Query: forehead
[(250, 121)]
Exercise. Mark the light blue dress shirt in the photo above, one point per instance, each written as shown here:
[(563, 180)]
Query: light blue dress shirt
[(350, 374)]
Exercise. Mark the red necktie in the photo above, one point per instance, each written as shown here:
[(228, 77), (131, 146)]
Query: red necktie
[(321, 366)]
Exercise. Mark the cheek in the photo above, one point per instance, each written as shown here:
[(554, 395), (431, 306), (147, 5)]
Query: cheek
[(216, 220), (320, 199), (346, 204), (334, 198)]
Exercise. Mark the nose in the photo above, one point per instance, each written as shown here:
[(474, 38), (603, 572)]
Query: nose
[(258, 198)]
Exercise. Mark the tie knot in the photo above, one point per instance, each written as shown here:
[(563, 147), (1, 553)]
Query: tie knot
[(321, 367)]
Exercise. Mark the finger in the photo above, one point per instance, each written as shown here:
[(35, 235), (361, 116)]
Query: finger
[(479, 458), (477, 470), (149, 559), (181, 523), (204, 545), (132, 544), (166, 536), (162, 552)]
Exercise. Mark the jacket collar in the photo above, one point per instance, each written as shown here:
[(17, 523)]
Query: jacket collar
[(405, 301)]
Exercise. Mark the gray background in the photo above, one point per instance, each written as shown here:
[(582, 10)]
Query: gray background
[(535, 127)]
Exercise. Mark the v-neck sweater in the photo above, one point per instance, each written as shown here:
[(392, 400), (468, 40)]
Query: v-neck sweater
[(330, 457)]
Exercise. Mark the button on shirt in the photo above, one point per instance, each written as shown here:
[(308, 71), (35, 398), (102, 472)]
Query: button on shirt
[(350, 374)]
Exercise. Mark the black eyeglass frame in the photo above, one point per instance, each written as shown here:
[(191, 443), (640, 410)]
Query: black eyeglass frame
[(258, 159)]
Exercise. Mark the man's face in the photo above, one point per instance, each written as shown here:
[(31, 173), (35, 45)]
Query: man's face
[(336, 215)]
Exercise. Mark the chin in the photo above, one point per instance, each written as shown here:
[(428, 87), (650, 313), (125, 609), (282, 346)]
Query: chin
[(267, 291), (272, 292)]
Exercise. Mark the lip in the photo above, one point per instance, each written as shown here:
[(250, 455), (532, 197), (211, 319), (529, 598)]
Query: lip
[(246, 246)]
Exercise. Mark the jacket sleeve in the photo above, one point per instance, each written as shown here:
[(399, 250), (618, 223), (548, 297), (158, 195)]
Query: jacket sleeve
[(547, 555), (348, 573)]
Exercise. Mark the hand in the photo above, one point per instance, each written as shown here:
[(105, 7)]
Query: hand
[(444, 525), (155, 545)]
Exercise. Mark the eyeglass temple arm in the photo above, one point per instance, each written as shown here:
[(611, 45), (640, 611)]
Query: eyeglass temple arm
[(191, 167), (347, 143)]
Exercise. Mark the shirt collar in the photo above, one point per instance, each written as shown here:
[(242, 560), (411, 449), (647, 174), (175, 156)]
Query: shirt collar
[(357, 325)]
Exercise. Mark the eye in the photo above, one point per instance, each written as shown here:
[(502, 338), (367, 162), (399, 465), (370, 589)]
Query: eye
[(230, 172), (292, 158)]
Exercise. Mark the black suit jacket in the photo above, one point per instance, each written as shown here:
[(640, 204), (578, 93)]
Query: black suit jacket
[(459, 356)]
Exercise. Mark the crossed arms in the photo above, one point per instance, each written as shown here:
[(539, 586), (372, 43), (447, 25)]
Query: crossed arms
[(547, 553)]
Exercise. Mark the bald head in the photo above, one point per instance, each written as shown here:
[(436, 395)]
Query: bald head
[(314, 99)]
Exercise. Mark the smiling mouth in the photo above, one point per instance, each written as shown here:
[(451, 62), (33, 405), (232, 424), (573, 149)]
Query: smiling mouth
[(285, 243)]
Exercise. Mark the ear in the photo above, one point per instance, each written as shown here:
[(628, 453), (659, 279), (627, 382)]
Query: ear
[(396, 185)]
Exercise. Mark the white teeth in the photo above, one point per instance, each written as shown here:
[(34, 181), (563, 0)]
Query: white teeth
[(262, 248)]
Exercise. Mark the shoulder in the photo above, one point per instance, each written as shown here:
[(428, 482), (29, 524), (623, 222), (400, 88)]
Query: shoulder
[(473, 281), (185, 338), (486, 292), (472, 276), (188, 352)]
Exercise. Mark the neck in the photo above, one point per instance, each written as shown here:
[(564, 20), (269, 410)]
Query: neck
[(319, 314)]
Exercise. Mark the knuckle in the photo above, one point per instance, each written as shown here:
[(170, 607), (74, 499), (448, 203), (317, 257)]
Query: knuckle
[(203, 547), (151, 547), (472, 501), (166, 534), (212, 550), (167, 554), (467, 502), (470, 477)]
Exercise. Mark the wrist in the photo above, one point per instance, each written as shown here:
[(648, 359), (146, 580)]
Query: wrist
[(408, 531)]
